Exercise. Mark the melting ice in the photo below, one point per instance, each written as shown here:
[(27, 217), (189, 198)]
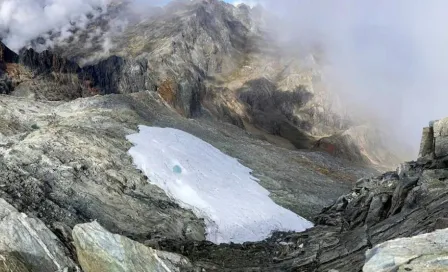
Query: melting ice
[(213, 185)]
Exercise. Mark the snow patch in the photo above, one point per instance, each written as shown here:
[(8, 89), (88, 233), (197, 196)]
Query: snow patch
[(213, 185)]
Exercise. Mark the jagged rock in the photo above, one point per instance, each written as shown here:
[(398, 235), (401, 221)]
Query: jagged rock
[(422, 253), (26, 243), (40, 75), (427, 143), (7, 55), (441, 137), (100, 250), (47, 62)]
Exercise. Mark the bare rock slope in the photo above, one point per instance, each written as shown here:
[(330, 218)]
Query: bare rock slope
[(66, 163)]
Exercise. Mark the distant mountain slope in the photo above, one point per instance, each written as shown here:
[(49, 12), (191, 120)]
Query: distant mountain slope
[(207, 58)]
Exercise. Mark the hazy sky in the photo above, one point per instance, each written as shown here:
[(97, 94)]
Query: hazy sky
[(388, 57)]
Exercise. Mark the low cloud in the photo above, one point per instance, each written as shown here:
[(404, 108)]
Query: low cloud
[(24, 20), (387, 59)]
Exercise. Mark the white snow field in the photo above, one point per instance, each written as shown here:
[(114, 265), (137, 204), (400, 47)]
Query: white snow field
[(213, 185)]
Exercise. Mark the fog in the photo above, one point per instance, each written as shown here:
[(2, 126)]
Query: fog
[(387, 59), (23, 20)]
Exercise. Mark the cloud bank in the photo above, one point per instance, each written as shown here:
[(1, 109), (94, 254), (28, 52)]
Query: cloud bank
[(389, 59), (23, 20)]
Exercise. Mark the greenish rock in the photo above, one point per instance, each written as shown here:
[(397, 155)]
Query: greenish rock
[(422, 253), (10, 262), (27, 241), (100, 250)]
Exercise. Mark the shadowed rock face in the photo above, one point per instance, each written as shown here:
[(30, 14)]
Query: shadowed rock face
[(6, 55), (273, 110)]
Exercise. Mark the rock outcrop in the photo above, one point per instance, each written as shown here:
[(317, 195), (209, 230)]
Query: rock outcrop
[(422, 253), (427, 143), (100, 250), (26, 244), (441, 138), (40, 75)]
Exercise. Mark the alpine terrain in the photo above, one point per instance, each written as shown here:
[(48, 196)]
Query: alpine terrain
[(191, 138)]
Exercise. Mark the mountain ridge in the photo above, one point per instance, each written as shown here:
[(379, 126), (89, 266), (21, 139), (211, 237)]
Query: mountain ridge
[(209, 58)]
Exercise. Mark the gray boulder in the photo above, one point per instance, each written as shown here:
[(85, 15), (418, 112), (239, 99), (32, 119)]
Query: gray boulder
[(423, 253), (26, 243), (100, 250)]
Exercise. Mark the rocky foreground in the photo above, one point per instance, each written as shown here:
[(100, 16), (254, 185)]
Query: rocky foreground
[(65, 164)]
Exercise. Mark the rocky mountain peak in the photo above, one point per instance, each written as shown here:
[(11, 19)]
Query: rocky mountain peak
[(205, 58), (7, 55)]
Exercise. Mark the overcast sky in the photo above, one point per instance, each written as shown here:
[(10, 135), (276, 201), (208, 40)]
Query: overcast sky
[(389, 57)]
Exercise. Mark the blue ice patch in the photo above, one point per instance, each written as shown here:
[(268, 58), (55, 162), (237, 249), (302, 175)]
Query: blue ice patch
[(177, 169)]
